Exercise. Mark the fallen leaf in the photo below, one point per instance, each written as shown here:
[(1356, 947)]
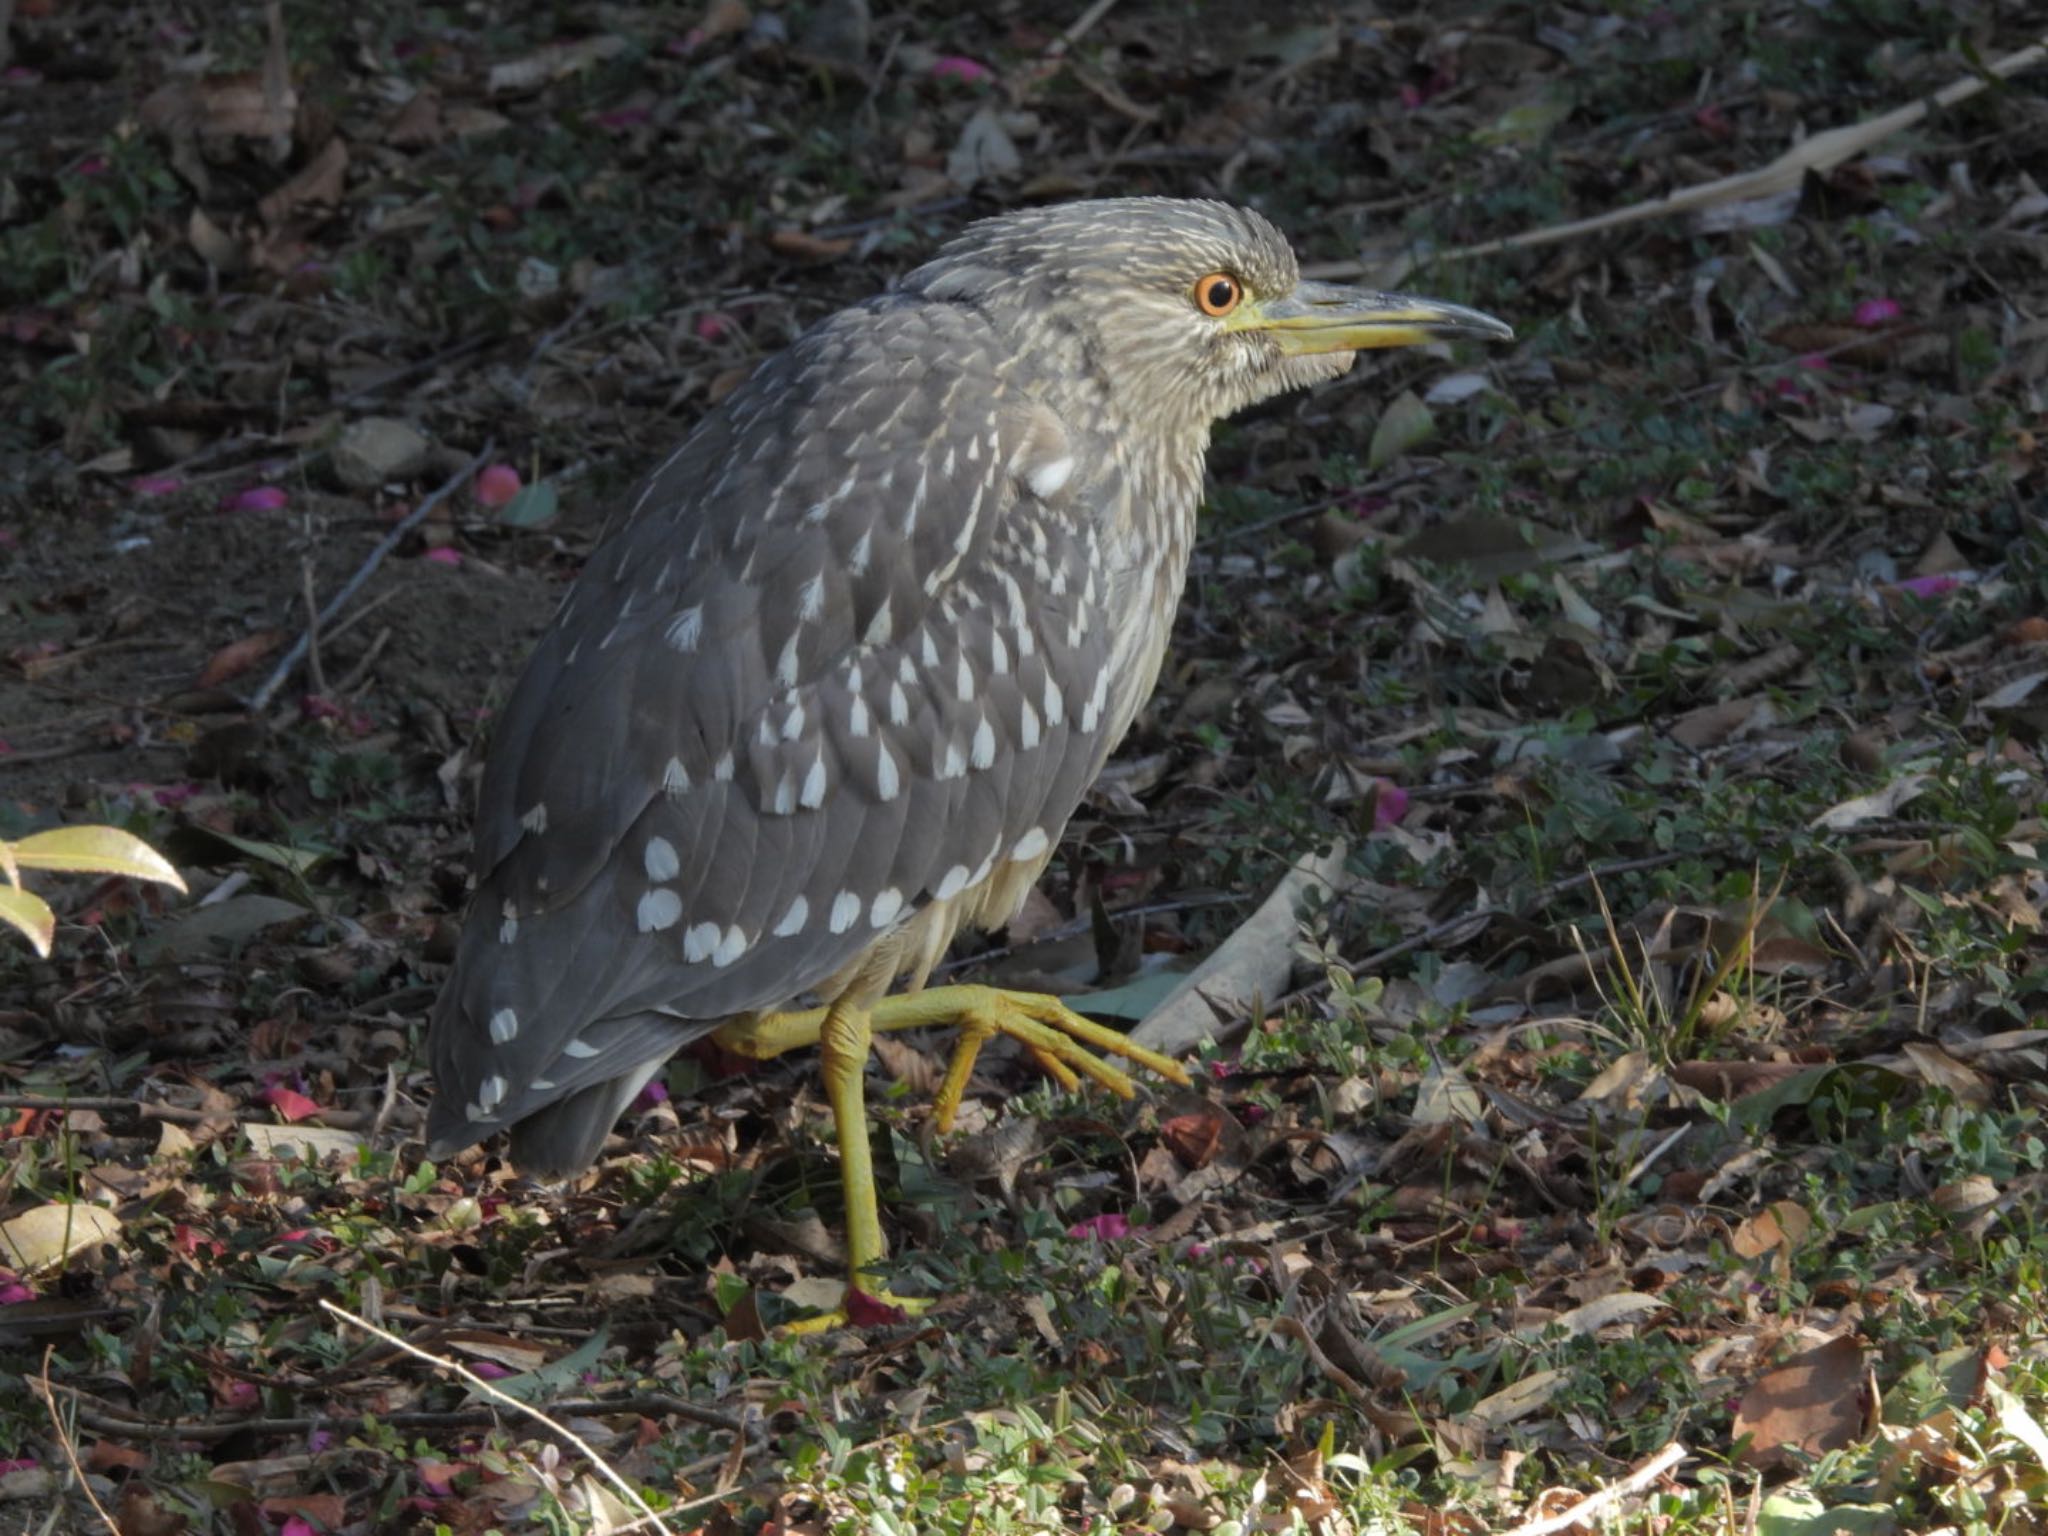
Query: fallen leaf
[(1406, 423), (1811, 1404), (46, 1235)]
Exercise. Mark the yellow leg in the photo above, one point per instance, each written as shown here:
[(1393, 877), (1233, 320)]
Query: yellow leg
[(843, 1035), (843, 1046), (1056, 1036)]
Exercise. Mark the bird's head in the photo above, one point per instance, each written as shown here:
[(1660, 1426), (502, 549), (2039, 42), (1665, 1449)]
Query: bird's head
[(1171, 313)]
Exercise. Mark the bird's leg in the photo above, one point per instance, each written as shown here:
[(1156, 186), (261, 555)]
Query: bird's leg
[(1054, 1034), (843, 1034), (843, 1040)]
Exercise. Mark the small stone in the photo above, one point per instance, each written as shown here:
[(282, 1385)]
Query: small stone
[(378, 450)]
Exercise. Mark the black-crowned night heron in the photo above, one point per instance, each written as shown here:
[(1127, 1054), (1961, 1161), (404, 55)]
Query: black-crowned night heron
[(833, 689)]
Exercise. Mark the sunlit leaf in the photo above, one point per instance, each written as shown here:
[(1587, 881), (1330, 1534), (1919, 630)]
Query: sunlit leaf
[(95, 851), (31, 914)]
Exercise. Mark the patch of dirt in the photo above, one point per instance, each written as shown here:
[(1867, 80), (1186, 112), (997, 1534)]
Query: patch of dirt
[(126, 603)]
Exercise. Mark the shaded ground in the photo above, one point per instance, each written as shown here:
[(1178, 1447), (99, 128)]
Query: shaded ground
[(1667, 1073)]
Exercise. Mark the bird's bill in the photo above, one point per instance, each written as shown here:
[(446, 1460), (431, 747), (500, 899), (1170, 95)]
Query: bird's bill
[(1323, 317)]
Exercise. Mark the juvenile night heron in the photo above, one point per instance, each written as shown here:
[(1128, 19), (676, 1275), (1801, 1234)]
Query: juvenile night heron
[(832, 690)]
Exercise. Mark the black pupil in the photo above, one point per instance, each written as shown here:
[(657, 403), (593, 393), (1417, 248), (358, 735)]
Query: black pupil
[(1221, 291)]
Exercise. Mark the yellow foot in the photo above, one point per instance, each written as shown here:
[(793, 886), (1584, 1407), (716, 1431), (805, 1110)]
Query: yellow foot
[(860, 1309), (1058, 1038)]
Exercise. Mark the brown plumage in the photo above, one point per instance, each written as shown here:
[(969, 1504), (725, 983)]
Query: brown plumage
[(836, 684)]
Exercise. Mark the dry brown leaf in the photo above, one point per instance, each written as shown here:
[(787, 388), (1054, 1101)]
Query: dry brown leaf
[(804, 246), (238, 656), (1813, 1403), (319, 181)]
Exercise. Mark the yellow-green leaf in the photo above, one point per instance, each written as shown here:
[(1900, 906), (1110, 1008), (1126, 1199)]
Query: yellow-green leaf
[(1406, 423), (1529, 123), (95, 851), (31, 914)]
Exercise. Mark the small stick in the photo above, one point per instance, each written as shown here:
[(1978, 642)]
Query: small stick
[(1580, 1515), (314, 671), (205, 1430), (385, 545), (49, 1398), (1079, 29), (101, 1106), (476, 1382)]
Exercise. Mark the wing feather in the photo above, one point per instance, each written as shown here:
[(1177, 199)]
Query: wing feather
[(797, 678)]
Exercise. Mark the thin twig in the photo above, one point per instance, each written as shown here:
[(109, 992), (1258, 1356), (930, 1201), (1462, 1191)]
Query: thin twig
[(1081, 27), (315, 673), (206, 1430), (49, 1397), (1581, 1516), (385, 545), (101, 1106), (478, 1384), (348, 685)]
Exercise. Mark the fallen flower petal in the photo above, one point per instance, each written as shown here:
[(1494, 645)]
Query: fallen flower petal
[(865, 1311), (445, 555), (1390, 806), (1109, 1226), (257, 498), (290, 1103), (1930, 586), (497, 484), (954, 66), (1875, 312)]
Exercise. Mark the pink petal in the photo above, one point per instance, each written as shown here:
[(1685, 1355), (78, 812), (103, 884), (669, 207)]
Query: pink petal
[(866, 1311), (298, 1525), (1812, 362), (1930, 586), (318, 1440), (447, 554), (656, 1092), (1109, 1226), (154, 485), (1391, 805), (290, 1103), (257, 498), (959, 67), (497, 484), (436, 1476), (19, 1464), (1872, 313), (315, 706), (490, 1370), (711, 325), (14, 1291)]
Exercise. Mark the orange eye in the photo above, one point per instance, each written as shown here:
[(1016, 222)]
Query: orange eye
[(1218, 294)]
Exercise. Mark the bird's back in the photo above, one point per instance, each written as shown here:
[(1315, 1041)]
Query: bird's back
[(834, 685)]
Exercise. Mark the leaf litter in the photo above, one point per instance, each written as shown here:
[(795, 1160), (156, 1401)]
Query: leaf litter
[(1652, 1100)]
